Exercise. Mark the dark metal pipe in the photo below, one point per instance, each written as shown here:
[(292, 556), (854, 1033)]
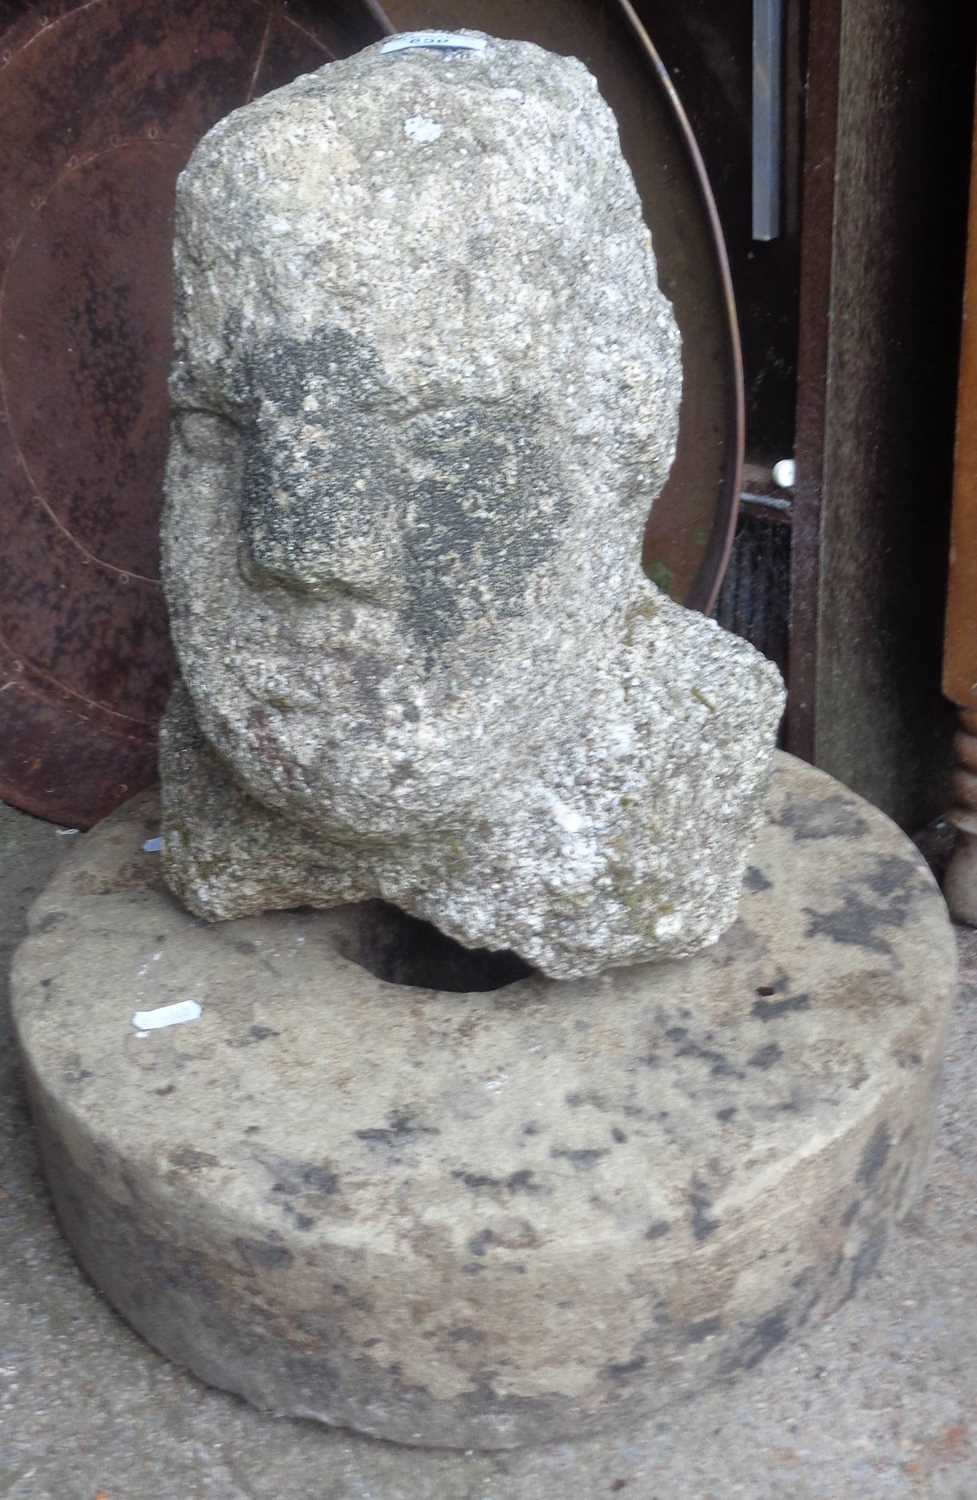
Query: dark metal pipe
[(768, 96)]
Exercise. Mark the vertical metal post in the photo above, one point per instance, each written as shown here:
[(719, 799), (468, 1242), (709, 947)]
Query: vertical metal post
[(768, 53)]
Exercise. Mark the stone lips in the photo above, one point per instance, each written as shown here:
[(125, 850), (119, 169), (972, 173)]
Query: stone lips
[(484, 1219), (425, 391)]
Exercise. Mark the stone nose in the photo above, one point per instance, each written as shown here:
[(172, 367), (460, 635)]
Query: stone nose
[(318, 539)]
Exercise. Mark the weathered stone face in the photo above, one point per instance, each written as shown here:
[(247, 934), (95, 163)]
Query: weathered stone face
[(425, 391)]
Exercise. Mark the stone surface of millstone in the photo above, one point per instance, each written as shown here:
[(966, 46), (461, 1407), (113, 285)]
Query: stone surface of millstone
[(425, 390), (367, 1187)]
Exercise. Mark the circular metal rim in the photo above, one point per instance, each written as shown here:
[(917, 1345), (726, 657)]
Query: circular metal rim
[(705, 590)]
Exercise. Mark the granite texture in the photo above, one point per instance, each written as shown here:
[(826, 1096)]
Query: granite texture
[(506, 1209), (425, 391)]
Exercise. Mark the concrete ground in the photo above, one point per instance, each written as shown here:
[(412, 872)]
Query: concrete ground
[(879, 1402)]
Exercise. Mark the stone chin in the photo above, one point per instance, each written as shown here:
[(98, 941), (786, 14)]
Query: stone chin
[(353, 735), (379, 784)]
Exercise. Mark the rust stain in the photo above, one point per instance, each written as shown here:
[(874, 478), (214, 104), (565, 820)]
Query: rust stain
[(950, 1446)]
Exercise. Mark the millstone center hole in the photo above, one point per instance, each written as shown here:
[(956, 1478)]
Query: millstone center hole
[(402, 949)]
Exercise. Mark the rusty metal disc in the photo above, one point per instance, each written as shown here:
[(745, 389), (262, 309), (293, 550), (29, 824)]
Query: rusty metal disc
[(101, 103), (691, 529)]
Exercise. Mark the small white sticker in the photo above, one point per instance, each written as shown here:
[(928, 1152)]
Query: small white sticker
[(167, 1015), (153, 846), (444, 40)]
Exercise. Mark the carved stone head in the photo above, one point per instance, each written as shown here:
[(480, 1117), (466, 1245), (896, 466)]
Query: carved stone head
[(425, 391)]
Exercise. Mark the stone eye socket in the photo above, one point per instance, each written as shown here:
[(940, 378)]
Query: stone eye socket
[(207, 436)]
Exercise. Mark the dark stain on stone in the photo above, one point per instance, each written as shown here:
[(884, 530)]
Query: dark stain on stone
[(764, 1337), (262, 1256), (703, 1225), (516, 1182), (851, 1212), (463, 459), (874, 1156), (464, 1333), (720, 1066), (895, 876), (617, 1134), (401, 1127), (703, 1329), (320, 1179), (772, 1010), (576, 1099), (74, 1072), (530, 1128), (168, 1088), (622, 1371), (502, 476), (725, 1115), (856, 921), (479, 1243), (522, 1182), (583, 1157), (255, 1034), (191, 1160), (244, 945), (252, 1129), (831, 817), (765, 1057), (865, 1262), (296, 1178), (677, 1033), (51, 919), (472, 1268), (658, 1229), (755, 880)]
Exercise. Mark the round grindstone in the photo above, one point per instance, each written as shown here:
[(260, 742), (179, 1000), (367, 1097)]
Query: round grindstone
[(480, 1217)]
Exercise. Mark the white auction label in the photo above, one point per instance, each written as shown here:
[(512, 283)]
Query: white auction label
[(447, 40), (167, 1015)]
